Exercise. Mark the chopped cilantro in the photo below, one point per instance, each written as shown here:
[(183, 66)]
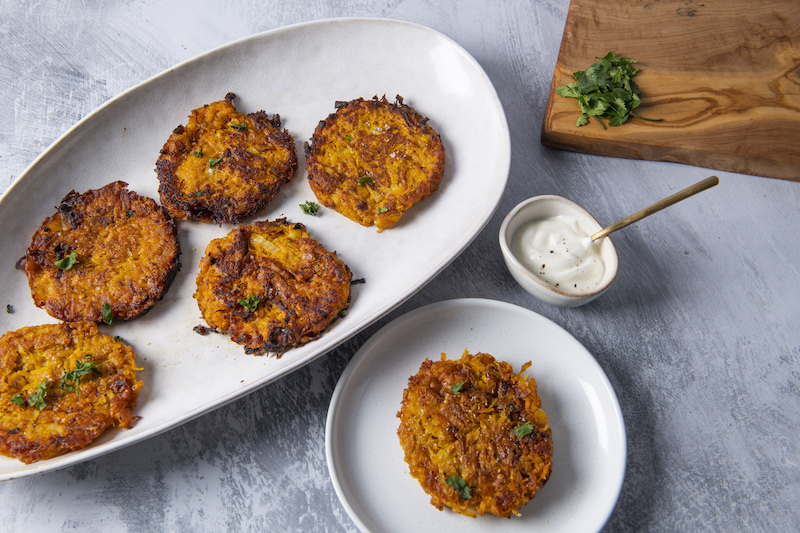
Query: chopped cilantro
[(37, 398), (310, 208), (67, 262), (251, 302), (349, 138), (382, 210), (82, 368), (239, 127), (605, 90), (523, 430), (364, 180), (198, 153), (106, 313), (461, 486), (213, 161), (455, 389)]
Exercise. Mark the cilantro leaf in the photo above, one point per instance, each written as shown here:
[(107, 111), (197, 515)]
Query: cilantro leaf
[(106, 313), (250, 303), (213, 161), (37, 398), (67, 262), (364, 180), (456, 388), (605, 90), (382, 210), (310, 208), (82, 368), (523, 430), (461, 486)]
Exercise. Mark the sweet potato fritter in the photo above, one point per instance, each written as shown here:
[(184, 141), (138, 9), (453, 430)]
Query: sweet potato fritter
[(474, 435), (107, 248), (224, 166), (372, 160), (271, 286), (61, 386)]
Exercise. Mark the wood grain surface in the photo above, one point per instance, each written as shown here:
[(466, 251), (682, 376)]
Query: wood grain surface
[(724, 77)]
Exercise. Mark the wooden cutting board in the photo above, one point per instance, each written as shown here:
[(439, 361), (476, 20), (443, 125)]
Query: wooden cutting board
[(724, 75)]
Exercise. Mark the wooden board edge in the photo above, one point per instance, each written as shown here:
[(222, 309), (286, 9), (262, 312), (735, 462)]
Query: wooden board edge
[(711, 160)]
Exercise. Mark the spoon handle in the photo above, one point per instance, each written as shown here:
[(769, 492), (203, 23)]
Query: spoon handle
[(658, 206)]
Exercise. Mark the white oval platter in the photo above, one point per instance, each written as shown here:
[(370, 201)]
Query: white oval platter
[(298, 72)]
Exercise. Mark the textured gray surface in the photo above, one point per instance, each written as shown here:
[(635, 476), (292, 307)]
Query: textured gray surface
[(700, 334)]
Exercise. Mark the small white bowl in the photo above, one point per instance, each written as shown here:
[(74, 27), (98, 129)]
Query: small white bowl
[(546, 206)]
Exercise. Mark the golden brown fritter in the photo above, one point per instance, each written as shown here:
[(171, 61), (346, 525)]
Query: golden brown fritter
[(106, 249), (61, 386), (224, 166), (271, 286), (372, 160), (474, 435)]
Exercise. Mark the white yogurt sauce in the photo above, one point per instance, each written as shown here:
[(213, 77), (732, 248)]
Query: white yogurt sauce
[(555, 250)]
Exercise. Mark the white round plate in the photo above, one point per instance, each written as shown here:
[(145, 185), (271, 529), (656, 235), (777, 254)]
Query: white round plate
[(367, 463)]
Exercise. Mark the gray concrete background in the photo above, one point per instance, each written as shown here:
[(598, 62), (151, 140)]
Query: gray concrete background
[(700, 335)]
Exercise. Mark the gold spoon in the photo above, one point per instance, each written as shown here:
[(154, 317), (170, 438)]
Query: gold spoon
[(656, 207)]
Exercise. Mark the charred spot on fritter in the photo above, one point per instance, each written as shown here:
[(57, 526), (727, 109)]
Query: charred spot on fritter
[(474, 435), (106, 254), (372, 160), (224, 166), (270, 286), (61, 386)]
